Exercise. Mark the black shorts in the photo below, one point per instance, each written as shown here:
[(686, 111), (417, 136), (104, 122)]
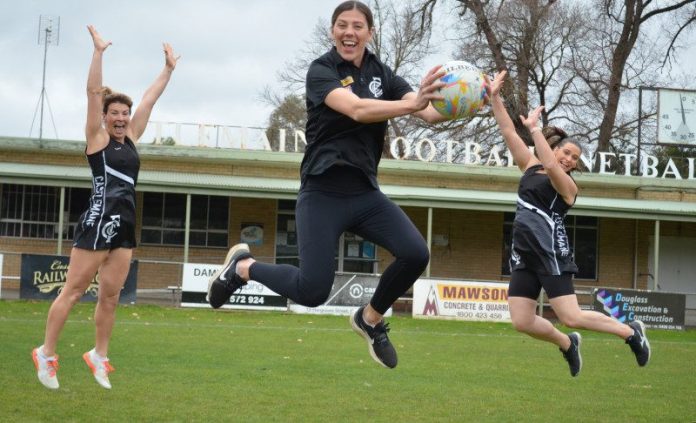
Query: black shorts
[(528, 284)]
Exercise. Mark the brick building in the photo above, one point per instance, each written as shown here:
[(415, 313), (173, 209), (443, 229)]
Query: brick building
[(195, 202)]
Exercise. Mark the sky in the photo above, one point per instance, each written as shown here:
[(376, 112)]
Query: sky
[(230, 50)]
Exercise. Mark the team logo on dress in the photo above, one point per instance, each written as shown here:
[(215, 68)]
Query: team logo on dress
[(376, 86), (110, 230)]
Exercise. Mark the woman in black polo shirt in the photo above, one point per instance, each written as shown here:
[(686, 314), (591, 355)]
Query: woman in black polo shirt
[(350, 96)]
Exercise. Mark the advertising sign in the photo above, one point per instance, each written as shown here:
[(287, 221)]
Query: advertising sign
[(659, 310), (43, 277), (349, 291), (460, 300), (252, 296)]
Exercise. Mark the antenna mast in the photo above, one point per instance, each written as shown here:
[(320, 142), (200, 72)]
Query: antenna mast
[(49, 34)]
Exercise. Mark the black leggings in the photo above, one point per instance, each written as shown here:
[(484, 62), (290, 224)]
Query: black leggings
[(321, 218)]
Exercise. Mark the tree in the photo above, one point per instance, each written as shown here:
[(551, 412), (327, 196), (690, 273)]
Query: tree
[(630, 15), (583, 62), (529, 39), (665, 153), (290, 115), (399, 41), (581, 73), (165, 141)]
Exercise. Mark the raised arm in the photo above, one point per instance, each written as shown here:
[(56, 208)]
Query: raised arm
[(519, 150), (95, 135), (561, 181), (142, 113), (367, 110)]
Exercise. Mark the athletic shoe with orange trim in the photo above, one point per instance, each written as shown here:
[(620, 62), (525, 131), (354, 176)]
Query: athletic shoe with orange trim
[(46, 368), (100, 368)]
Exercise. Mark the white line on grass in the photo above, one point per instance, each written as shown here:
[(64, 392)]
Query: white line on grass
[(306, 329)]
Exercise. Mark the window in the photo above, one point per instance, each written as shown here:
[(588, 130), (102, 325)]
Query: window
[(353, 253), (31, 211), (358, 254), (286, 236), (164, 220), (582, 235), (77, 202)]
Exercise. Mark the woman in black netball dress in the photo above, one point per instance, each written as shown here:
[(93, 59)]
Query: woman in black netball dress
[(105, 233), (541, 256)]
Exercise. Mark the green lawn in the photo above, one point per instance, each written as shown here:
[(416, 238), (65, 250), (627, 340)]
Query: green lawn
[(204, 365)]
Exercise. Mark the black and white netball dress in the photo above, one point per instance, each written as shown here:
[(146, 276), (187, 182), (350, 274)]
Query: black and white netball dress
[(539, 238), (109, 222)]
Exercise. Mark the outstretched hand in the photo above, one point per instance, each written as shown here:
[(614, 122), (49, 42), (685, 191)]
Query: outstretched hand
[(430, 84), (532, 119), (169, 58), (99, 44), (493, 87)]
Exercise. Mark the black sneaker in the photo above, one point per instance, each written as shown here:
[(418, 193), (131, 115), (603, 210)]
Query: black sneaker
[(639, 343), (226, 281), (381, 350), (572, 355)]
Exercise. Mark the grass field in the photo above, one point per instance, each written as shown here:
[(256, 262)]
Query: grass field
[(183, 365)]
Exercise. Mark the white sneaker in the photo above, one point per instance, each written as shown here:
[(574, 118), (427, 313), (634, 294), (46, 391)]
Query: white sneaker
[(100, 368), (46, 368)]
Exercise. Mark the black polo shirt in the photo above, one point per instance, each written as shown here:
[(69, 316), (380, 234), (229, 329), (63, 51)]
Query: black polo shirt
[(334, 138)]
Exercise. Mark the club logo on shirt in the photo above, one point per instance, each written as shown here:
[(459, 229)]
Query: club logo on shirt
[(376, 86), (110, 230)]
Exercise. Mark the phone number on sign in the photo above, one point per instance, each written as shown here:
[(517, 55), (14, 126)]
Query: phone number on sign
[(481, 315), (246, 299)]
